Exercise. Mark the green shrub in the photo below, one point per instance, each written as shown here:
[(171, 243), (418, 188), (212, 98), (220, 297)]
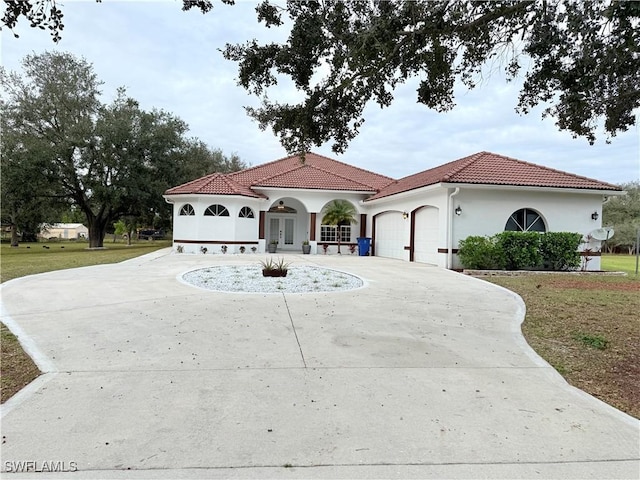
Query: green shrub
[(480, 253), (559, 250), (521, 249)]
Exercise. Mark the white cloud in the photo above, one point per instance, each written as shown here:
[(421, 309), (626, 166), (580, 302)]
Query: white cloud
[(170, 59)]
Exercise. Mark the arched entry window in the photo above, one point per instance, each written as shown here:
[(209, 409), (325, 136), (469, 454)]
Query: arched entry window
[(187, 210), (525, 220), (216, 211)]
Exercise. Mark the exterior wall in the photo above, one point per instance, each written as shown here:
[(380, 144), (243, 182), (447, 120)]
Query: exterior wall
[(486, 211), (192, 233)]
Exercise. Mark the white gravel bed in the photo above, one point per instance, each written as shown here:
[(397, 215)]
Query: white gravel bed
[(249, 279)]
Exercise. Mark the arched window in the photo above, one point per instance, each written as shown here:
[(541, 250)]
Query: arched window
[(525, 220), (246, 212), (216, 211), (187, 209)]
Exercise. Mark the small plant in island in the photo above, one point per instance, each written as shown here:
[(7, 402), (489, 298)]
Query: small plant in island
[(352, 248), (254, 249), (203, 250), (274, 268), (242, 249), (325, 247), (223, 249), (180, 249)]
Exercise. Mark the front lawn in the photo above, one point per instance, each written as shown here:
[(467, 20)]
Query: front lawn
[(588, 329), (40, 257)]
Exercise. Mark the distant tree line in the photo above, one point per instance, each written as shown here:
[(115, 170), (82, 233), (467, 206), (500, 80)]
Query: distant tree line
[(67, 156), (623, 214)]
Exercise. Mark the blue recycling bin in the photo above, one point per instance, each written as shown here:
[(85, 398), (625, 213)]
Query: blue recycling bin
[(364, 244)]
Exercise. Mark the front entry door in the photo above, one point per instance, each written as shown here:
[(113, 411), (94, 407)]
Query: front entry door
[(281, 230)]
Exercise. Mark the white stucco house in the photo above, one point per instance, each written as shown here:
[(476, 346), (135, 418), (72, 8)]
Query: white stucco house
[(65, 231), (419, 218)]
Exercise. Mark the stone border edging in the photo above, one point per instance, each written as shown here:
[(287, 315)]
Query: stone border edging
[(519, 273)]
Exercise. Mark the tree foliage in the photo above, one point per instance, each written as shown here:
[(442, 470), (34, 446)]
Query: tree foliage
[(28, 199), (623, 214), (108, 161), (580, 60)]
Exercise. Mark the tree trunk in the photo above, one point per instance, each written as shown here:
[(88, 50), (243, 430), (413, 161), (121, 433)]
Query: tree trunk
[(97, 232), (14, 235), (339, 235)]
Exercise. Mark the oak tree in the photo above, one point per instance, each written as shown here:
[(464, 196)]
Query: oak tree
[(579, 60), (107, 161)]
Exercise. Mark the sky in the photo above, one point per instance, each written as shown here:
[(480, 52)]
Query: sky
[(170, 59)]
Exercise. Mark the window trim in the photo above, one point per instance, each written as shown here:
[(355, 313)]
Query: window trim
[(328, 233), (219, 211), (245, 209), (185, 212), (527, 226)]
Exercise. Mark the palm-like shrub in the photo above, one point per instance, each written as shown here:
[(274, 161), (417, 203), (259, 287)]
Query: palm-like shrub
[(338, 213)]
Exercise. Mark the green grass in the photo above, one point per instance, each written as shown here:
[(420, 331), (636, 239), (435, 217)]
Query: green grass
[(619, 263), (587, 328), (31, 258)]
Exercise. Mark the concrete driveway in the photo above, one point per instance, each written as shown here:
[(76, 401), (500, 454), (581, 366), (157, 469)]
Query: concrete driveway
[(422, 373)]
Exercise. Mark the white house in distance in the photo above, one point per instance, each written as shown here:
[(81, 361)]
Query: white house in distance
[(65, 231), (419, 218)]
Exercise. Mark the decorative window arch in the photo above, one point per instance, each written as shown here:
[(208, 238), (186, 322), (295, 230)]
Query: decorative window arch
[(525, 220), (246, 212), (187, 210), (216, 210)]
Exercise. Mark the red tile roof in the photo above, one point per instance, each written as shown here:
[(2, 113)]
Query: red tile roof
[(309, 176), (214, 184), (354, 178), (322, 173), (486, 168), (316, 172)]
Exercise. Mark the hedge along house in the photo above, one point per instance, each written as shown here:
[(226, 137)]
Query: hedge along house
[(419, 218)]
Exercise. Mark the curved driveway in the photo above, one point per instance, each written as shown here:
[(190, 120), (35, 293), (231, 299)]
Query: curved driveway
[(422, 373)]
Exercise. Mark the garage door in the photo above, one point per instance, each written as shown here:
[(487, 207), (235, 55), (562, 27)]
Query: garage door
[(391, 235), (425, 242)]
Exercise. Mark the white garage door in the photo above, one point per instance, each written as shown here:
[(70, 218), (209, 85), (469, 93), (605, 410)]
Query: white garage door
[(425, 241), (391, 235)]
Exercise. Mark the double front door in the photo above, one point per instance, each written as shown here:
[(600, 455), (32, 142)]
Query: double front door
[(281, 230)]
